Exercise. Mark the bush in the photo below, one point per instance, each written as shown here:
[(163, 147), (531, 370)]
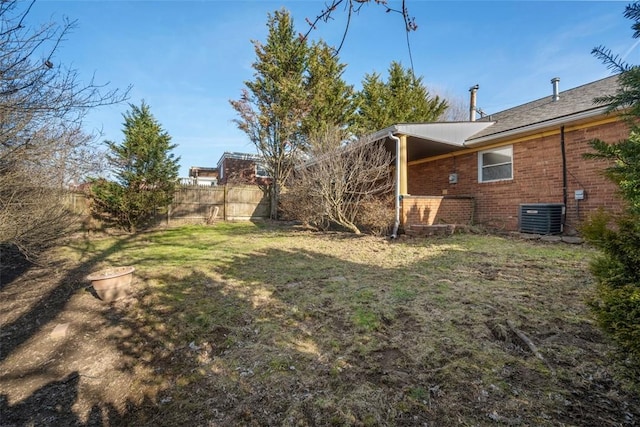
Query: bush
[(377, 215), (298, 203), (616, 302), (618, 313), (340, 185)]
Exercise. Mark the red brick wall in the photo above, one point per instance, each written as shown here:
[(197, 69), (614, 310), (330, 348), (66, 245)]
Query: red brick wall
[(241, 171), (587, 174), (431, 210), (537, 170)]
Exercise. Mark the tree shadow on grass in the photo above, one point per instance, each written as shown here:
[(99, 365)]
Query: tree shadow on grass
[(29, 305), (52, 405), (295, 337), (13, 264), (240, 345), (48, 405), (48, 296)]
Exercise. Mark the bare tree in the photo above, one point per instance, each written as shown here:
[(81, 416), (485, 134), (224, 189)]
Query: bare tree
[(353, 7), (42, 145), (457, 109), (338, 182)]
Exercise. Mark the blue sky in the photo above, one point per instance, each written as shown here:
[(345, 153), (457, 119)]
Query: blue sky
[(187, 59)]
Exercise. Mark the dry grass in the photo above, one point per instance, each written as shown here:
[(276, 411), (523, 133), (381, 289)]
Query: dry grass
[(263, 325)]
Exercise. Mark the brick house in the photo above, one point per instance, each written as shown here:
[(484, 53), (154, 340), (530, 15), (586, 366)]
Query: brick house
[(242, 168), (511, 169), (232, 168)]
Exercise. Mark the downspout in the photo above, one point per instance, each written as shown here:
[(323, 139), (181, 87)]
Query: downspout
[(564, 177), (396, 224)]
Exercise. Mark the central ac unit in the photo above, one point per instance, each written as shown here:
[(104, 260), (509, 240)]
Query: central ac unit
[(541, 218)]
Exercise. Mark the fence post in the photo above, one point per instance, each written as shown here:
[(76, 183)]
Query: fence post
[(224, 203)]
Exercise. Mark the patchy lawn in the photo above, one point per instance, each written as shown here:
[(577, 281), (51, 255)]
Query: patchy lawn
[(243, 324)]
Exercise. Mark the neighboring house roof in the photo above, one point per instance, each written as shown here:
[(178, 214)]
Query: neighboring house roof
[(195, 171), (239, 156), (432, 139)]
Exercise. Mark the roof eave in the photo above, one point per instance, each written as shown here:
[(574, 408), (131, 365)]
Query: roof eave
[(464, 131), (537, 126), (381, 134)]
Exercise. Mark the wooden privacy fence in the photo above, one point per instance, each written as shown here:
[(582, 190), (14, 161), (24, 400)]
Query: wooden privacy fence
[(225, 202), (193, 204)]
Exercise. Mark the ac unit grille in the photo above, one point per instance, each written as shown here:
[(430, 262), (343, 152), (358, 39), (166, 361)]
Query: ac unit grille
[(541, 218)]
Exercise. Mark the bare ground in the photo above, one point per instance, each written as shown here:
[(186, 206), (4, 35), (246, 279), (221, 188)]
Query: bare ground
[(316, 346)]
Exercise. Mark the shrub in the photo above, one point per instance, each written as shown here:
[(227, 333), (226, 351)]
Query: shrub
[(618, 313), (298, 203), (616, 302), (376, 215), (332, 185)]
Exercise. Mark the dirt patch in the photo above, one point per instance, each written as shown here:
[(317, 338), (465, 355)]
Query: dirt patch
[(61, 376)]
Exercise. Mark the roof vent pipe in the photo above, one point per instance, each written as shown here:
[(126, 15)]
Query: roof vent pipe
[(556, 90), (472, 104)]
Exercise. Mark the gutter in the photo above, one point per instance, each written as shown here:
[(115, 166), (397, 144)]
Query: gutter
[(396, 224)]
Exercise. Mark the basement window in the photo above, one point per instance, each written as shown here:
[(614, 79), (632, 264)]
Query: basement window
[(496, 164)]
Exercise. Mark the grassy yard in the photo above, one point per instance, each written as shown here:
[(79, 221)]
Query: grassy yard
[(243, 324)]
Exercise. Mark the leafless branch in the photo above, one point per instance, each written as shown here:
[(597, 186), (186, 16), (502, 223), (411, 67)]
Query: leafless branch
[(338, 182), (353, 7), (42, 145)]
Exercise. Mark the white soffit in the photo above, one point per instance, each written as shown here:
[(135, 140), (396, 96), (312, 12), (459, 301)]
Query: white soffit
[(452, 133)]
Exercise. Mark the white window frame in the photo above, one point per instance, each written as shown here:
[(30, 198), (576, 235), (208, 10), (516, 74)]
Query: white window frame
[(507, 150), (258, 167)]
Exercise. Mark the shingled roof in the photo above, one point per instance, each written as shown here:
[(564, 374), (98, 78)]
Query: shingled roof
[(432, 139), (571, 102)]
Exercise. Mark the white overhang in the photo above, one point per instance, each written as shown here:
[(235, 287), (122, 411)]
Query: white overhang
[(431, 139)]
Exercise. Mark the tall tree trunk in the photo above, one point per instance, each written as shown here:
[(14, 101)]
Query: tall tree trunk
[(275, 195)]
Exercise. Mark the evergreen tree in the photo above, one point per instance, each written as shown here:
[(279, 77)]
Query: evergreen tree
[(374, 112), (401, 99), (331, 99), (146, 172), (616, 302), (628, 96), (273, 105)]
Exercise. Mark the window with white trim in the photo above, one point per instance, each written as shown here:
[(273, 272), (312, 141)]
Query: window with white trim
[(261, 171), (496, 164)]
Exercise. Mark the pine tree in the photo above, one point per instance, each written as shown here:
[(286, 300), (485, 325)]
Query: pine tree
[(374, 112), (628, 96), (273, 105), (332, 99), (401, 99), (145, 169), (616, 302)]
